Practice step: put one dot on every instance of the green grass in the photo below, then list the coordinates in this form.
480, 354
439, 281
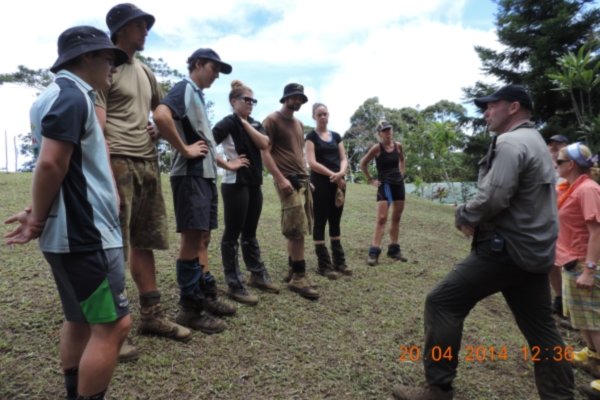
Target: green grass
343, 346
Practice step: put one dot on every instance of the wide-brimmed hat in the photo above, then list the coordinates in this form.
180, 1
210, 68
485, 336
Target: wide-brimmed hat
512, 93
210, 54
293, 89
82, 39
558, 138
121, 14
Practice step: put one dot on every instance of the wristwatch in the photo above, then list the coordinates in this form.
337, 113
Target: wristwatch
591, 265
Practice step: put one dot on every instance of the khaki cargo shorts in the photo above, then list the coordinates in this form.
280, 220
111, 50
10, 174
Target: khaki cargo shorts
143, 214
296, 212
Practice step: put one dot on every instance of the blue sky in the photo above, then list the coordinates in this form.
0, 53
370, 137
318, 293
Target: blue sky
406, 53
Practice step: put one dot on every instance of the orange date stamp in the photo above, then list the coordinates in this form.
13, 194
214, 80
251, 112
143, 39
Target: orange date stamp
482, 353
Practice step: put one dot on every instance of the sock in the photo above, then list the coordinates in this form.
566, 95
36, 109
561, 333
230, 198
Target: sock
98, 396
71, 382
150, 299
299, 267
446, 388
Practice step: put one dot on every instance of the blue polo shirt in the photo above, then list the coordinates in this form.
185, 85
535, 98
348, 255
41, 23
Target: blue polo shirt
84, 215
186, 101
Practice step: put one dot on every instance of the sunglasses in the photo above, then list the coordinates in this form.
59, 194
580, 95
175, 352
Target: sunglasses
559, 162
248, 100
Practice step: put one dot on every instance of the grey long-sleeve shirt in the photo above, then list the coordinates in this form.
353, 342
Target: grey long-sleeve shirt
517, 199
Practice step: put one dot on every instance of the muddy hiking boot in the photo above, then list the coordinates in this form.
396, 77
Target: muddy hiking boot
210, 302
300, 283
374, 253
262, 281
339, 259
324, 263
430, 392
193, 315
241, 294
592, 390
153, 320
588, 361
128, 352
395, 253
288, 277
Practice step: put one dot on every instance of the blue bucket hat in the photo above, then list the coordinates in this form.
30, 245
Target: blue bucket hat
574, 152
83, 39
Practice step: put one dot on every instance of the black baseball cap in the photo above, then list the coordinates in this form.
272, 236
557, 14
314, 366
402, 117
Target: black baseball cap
510, 93
82, 39
121, 14
210, 54
383, 126
293, 89
558, 138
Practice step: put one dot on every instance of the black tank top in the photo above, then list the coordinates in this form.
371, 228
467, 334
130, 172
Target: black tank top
388, 168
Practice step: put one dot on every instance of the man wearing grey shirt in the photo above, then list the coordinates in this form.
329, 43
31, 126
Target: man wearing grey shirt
514, 223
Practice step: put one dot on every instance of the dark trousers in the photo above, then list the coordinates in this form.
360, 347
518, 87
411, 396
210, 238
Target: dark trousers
478, 276
324, 208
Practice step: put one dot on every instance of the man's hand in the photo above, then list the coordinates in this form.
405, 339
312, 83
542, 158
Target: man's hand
27, 230
153, 131
195, 150
468, 231
285, 187
586, 279
240, 162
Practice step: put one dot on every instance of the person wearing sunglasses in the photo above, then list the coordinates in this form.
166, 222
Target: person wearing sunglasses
577, 252
242, 138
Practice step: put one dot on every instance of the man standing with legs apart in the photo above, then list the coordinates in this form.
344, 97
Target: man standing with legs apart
514, 224
182, 120
74, 196
284, 158
123, 112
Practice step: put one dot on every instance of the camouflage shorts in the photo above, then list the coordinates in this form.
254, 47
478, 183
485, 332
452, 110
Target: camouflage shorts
143, 214
296, 212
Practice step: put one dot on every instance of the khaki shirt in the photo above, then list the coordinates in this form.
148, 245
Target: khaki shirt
134, 93
517, 199
287, 139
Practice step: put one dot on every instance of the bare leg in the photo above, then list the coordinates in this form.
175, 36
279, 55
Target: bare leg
296, 249
397, 208
99, 359
382, 214
190, 244
555, 277
142, 269
74, 337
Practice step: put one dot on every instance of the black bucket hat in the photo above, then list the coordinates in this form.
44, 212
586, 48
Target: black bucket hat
121, 14
513, 93
293, 89
82, 39
382, 126
210, 54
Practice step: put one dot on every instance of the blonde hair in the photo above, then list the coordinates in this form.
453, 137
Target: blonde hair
592, 171
238, 89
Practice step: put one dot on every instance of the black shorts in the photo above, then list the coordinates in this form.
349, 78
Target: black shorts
91, 285
196, 201
387, 190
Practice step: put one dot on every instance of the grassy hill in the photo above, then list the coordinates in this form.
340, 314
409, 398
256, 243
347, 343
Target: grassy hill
343, 346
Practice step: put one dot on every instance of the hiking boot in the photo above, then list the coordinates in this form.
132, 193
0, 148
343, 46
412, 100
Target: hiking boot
324, 261
210, 302
395, 253
339, 258
566, 323
431, 392
374, 253
153, 321
128, 351
200, 320
241, 294
588, 361
300, 284
592, 391
288, 277
262, 281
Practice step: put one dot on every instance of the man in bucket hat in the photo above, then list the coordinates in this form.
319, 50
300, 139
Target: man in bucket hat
514, 224
75, 213
123, 112
284, 158
182, 120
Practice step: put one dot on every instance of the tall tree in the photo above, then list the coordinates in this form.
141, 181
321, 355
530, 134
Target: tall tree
535, 33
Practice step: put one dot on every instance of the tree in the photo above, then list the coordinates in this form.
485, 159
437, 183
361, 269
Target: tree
535, 33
